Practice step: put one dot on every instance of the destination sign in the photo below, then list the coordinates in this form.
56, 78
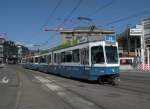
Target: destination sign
110, 38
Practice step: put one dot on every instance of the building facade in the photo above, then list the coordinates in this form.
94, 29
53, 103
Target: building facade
137, 37
8, 51
83, 34
22, 52
134, 43
129, 40
146, 27
2, 41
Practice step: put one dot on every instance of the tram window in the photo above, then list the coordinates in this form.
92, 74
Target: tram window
84, 56
97, 55
63, 57
40, 59
68, 56
43, 59
49, 59
58, 55
55, 58
36, 60
111, 54
76, 55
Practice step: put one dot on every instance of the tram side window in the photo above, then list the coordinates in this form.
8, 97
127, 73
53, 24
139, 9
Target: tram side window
57, 58
97, 55
49, 59
84, 56
63, 57
58, 55
43, 59
36, 60
76, 55
68, 56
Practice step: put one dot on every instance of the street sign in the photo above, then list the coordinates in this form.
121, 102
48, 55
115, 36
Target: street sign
135, 32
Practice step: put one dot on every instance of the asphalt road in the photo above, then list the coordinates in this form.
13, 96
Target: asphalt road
26, 89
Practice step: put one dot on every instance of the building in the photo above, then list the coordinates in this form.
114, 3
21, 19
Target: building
129, 40
146, 27
8, 51
2, 41
83, 34
22, 52
134, 43
137, 37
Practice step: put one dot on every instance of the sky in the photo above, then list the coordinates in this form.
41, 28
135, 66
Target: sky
24, 21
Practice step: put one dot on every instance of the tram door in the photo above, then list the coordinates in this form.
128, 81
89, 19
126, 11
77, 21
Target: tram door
84, 61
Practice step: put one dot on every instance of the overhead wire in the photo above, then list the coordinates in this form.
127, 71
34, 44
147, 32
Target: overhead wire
52, 13
49, 18
100, 8
67, 17
70, 13
128, 17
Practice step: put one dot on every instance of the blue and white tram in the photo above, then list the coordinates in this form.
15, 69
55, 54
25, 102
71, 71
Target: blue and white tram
92, 61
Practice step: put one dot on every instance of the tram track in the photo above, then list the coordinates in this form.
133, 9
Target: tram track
30, 76
126, 87
72, 98
78, 94
133, 89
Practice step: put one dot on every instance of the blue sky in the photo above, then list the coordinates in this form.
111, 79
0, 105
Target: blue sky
24, 20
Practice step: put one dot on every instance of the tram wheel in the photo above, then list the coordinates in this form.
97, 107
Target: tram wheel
111, 80
100, 81
113, 83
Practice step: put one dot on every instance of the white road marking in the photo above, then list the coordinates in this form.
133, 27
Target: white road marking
42, 80
53, 87
71, 98
4, 80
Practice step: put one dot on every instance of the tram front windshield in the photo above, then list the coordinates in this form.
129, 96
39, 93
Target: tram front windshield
111, 54
97, 54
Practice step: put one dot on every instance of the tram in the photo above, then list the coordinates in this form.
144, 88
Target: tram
97, 60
